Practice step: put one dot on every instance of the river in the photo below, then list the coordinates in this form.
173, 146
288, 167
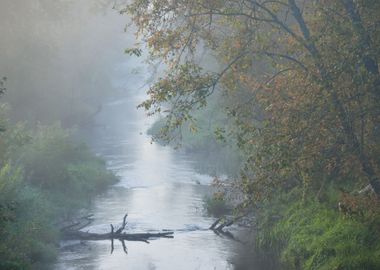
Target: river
159, 189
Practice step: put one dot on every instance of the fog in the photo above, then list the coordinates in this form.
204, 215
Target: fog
72, 128
175, 134
63, 58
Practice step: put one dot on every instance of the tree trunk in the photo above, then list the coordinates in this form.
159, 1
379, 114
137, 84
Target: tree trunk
347, 126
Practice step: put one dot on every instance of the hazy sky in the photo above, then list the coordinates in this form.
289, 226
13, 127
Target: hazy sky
64, 53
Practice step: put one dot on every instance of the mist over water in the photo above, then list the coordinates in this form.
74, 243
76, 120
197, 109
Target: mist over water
65, 63
159, 190
275, 107
62, 58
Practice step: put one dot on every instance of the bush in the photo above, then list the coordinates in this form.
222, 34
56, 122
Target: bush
54, 176
67, 171
25, 224
314, 236
216, 205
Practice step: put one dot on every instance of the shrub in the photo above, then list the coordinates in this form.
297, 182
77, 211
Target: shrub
25, 225
314, 236
54, 176
216, 205
67, 171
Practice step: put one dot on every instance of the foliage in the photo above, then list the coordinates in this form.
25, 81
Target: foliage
2, 85
53, 161
301, 82
313, 111
44, 175
216, 205
315, 236
26, 231
2, 91
206, 139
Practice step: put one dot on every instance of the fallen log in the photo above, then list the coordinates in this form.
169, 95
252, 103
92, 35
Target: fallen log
80, 235
220, 223
212, 227
218, 227
68, 233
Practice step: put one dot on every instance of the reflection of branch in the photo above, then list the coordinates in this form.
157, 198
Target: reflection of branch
226, 223
76, 234
124, 246
228, 235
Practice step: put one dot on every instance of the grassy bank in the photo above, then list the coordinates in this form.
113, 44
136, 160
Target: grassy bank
45, 175
298, 230
313, 235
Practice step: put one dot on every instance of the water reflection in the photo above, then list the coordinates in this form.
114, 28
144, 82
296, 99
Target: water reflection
159, 190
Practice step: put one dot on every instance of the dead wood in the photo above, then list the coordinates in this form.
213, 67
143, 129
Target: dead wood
221, 223
218, 226
71, 232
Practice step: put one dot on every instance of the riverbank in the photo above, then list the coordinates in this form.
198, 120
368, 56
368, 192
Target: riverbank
45, 177
316, 235
333, 230
159, 189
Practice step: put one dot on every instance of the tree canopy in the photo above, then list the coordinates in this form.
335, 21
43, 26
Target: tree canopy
302, 78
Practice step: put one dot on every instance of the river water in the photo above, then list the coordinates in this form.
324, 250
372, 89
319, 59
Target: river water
158, 189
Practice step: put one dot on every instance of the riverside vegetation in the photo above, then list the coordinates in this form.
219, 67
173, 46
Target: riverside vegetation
45, 177
54, 85
295, 86
299, 83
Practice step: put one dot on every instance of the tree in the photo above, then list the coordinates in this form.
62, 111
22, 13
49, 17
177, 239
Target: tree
302, 77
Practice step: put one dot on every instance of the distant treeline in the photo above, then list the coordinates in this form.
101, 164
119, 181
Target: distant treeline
206, 139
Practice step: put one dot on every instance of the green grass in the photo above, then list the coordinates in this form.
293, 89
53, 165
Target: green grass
313, 236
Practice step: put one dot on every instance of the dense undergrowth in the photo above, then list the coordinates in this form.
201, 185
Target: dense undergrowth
314, 235
45, 176
217, 205
293, 230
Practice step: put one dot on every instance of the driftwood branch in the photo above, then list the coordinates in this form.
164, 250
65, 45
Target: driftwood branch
218, 226
221, 223
124, 224
69, 233
212, 227
80, 235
